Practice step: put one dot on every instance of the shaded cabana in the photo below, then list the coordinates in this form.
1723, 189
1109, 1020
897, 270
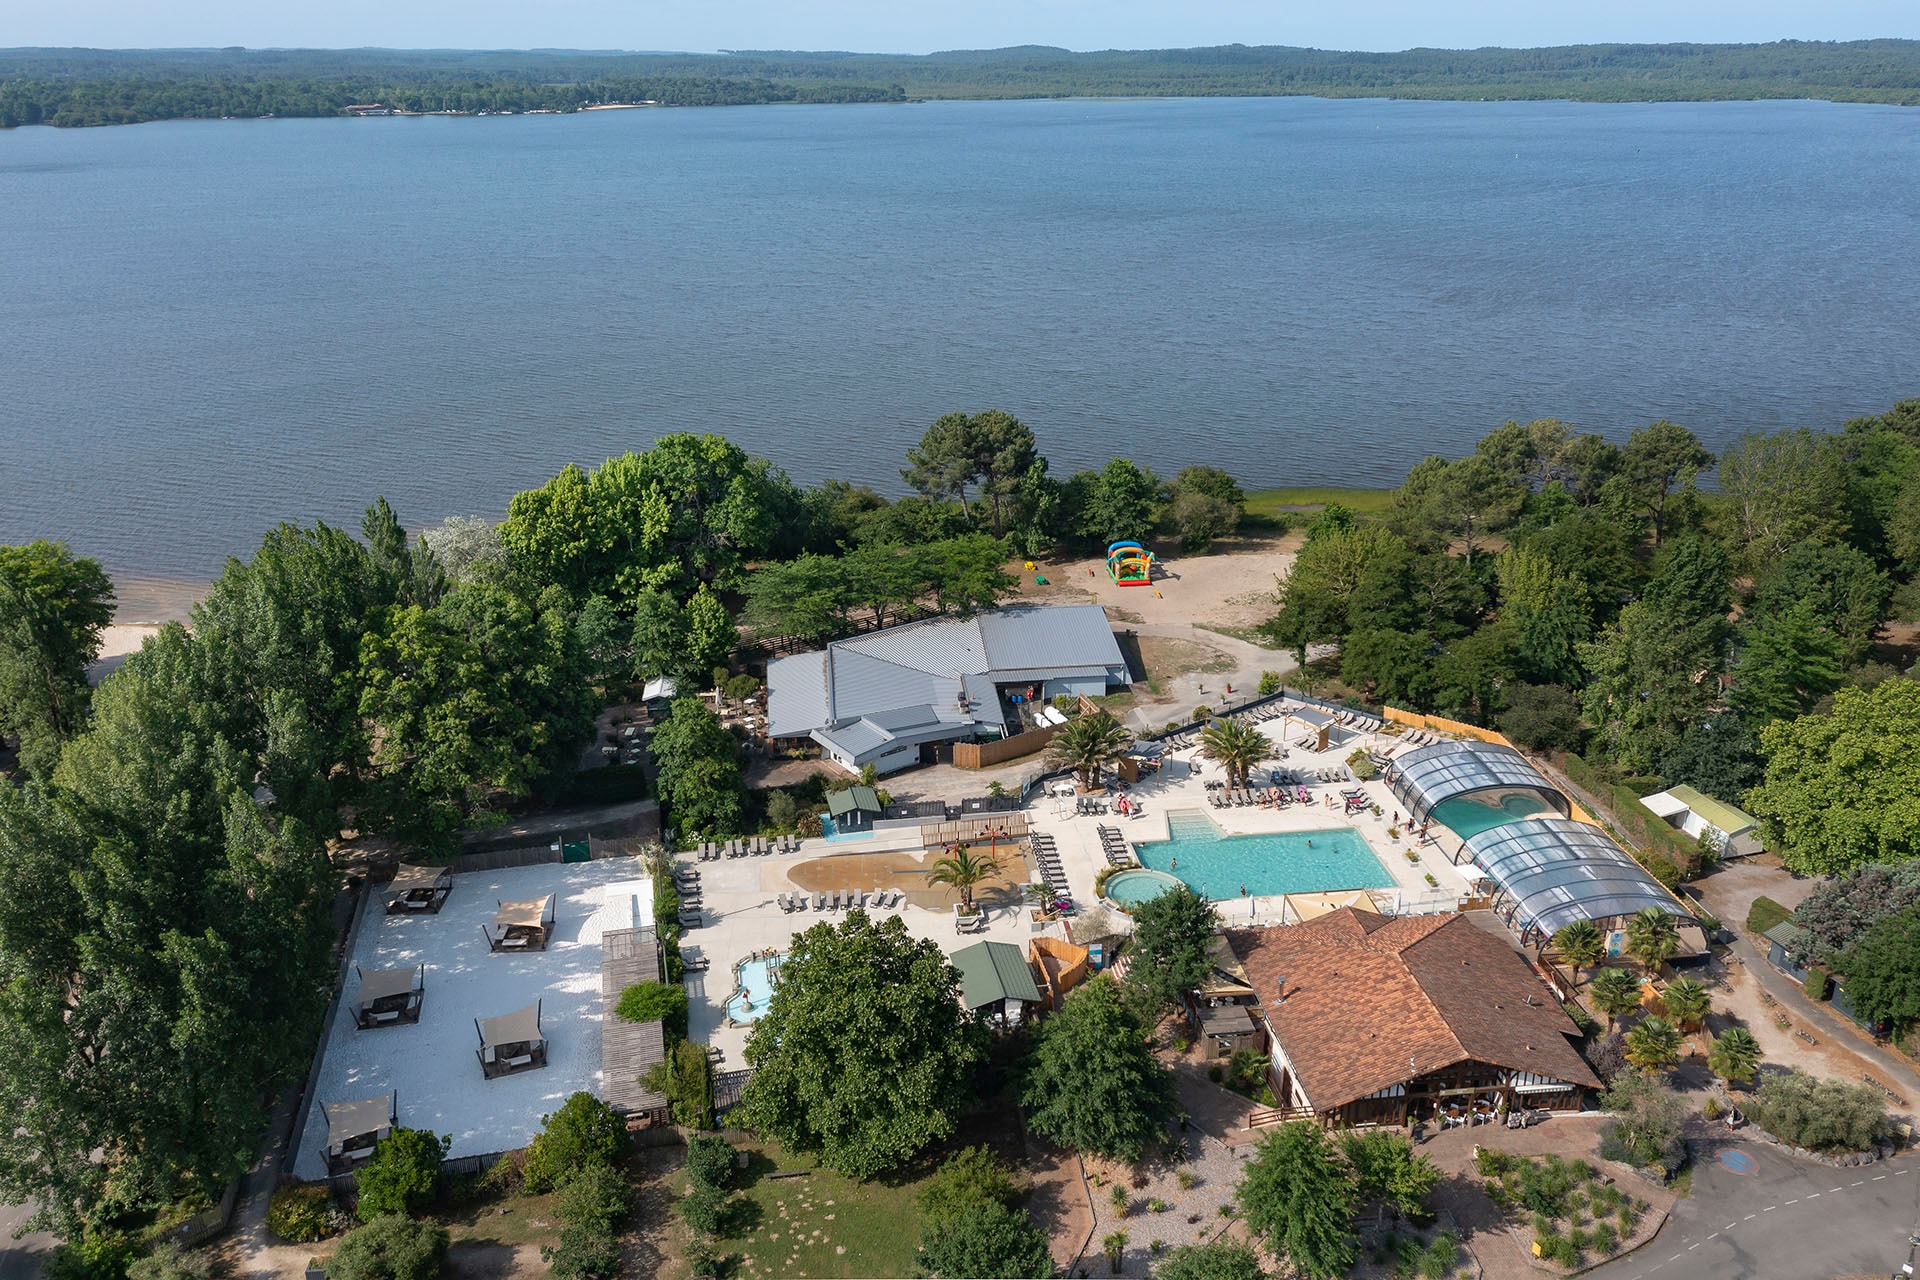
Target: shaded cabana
1553, 871
355, 1128
418, 889
1318, 724
511, 1042
389, 996
521, 926
1427, 778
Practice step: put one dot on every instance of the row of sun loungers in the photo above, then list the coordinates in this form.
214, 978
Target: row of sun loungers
1114, 845
1085, 806
751, 847
1235, 798
1046, 856
1359, 720
1420, 738
842, 900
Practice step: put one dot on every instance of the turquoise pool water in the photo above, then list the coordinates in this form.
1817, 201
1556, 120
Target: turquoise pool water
756, 981
828, 830
1466, 816
1217, 865
1131, 888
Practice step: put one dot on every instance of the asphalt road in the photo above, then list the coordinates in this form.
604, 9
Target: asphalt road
20, 1259
1784, 1220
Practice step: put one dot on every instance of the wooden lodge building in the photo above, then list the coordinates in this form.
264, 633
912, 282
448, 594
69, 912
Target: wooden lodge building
1380, 1020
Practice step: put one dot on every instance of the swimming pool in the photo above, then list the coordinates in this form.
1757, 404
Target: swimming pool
1220, 866
1466, 816
756, 979
1131, 888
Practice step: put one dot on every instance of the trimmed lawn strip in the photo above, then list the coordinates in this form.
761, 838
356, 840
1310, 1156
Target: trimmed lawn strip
1764, 914
1271, 502
833, 1226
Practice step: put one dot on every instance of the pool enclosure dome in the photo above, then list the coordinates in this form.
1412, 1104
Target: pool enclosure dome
1556, 871
1430, 776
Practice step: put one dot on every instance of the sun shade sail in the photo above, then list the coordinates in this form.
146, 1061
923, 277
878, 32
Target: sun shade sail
533, 912
520, 1027
408, 878
349, 1120
378, 984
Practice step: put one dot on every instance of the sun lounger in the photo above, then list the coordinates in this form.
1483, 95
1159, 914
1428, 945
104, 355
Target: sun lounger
819, 902
786, 903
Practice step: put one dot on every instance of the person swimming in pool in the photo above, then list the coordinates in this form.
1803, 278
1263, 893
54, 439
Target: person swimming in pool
1309, 844
1174, 865
1243, 891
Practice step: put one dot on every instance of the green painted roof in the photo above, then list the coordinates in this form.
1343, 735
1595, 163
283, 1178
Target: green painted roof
854, 797
1789, 935
992, 971
1729, 820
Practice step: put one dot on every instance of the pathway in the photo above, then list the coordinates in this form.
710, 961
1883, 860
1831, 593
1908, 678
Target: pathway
22, 1258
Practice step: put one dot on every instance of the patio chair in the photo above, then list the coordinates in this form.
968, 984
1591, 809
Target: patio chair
781, 900
819, 901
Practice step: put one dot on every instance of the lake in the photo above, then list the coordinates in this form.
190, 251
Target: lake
214, 326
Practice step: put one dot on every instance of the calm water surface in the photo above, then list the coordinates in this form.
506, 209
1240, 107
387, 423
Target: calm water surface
213, 326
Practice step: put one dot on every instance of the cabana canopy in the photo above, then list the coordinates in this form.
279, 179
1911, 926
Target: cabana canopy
533, 911
389, 995
519, 1027
1558, 871
1145, 750
355, 1128
1308, 716
1430, 776
416, 888
511, 1042
522, 924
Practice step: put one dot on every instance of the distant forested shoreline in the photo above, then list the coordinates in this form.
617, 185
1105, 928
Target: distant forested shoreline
78, 87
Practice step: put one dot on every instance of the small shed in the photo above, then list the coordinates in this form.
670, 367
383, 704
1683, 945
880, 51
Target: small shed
521, 926
995, 983
1787, 947
511, 1043
1696, 813
388, 997
355, 1128
855, 809
416, 888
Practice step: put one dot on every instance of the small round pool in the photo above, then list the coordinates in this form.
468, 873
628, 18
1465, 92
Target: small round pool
1131, 888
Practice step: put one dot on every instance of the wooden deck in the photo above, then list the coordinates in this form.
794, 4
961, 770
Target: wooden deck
627, 1049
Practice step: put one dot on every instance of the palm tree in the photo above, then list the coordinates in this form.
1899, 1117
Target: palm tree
963, 869
1615, 992
1115, 1244
1734, 1056
1654, 1044
1580, 944
1088, 744
1236, 746
1687, 1002
1652, 937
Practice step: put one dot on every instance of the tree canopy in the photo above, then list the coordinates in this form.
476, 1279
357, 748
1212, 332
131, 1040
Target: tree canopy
1299, 1195
1169, 954
864, 1054
1092, 1082
54, 606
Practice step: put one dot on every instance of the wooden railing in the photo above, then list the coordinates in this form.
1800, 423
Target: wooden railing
1267, 1117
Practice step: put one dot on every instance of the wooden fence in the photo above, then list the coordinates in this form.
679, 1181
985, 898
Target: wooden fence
980, 755
1006, 828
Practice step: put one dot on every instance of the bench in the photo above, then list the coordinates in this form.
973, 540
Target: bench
514, 1064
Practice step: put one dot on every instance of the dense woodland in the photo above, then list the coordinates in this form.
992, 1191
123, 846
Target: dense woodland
88, 86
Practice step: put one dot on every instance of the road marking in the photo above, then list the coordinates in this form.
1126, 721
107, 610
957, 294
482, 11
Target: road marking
1815, 1196
1714, 1236
1675, 1258
1831, 1190
1793, 1202
1694, 1245
1879, 1177
1748, 1218
1731, 1225
1903, 1173
1861, 1183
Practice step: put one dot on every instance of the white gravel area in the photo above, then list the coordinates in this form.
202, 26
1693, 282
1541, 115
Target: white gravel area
432, 1064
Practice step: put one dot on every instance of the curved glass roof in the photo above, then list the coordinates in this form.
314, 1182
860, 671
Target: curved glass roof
1558, 871
1435, 774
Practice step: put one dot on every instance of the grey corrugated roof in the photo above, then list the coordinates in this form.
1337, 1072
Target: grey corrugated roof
1559, 871
950, 645
1068, 635
797, 694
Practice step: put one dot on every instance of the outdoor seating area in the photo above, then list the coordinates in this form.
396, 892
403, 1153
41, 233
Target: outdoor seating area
1119, 853
1046, 856
511, 1043
389, 997
750, 847
416, 888
840, 900
355, 1128
521, 926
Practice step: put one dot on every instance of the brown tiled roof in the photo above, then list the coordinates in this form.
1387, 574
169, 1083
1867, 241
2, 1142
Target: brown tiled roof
1373, 1001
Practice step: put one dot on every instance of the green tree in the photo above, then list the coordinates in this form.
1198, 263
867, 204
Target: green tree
1842, 790
1882, 970
1734, 1056
1580, 944
1235, 745
1841, 909
990, 1240
468, 549
1392, 666
1039, 507
1169, 954
1342, 563
1299, 1196
1471, 673
1652, 937
1549, 613
54, 606
1216, 1260
1119, 503
1842, 587
1204, 504
605, 640
1658, 461
1719, 755
1788, 661
700, 780
402, 1175
591, 1207
1820, 1114
582, 1132
1088, 744
1092, 1082
864, 1054
1780, 489
1646, 1126
1387, 1171
685, 1080
1653, 1044
413, 575
963, 869
390, 1248
1443, 502
710, 634
1615, 993
992, 449
1542, 717
1687, 1001
1652, 676
966, 1180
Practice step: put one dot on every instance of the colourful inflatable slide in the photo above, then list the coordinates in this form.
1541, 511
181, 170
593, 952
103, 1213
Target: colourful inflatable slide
1129, 564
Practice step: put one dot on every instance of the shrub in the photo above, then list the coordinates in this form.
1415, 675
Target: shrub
1439, 1259
740, 688
656, 1002
990, 1240
297, 1213
701, 1208
1604, 1238
1156, 1205
97, 1255
390, 1248
1820, 1114
1214, 1073
591, 1208
402, 1174
1816, 984
1117, 1197
1269, 683
1185, 1178
1362, 765
782, 809
1492, 1163
710, 1161
171, 1262
970, 1178
583, 1131
685, 1080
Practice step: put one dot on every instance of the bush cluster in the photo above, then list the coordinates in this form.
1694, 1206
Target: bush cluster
390, 1248
656, 1002
579, 1153
297, 1213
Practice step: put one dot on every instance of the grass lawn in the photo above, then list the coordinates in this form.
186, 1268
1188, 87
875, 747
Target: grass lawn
1266, 503
1764, 914
820, 1224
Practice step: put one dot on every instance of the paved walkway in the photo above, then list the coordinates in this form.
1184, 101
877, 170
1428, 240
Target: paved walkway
21, 1259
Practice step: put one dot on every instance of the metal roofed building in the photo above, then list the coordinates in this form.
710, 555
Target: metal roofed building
1430, 776
1553, 871
995, 982
1695, 812
880, 698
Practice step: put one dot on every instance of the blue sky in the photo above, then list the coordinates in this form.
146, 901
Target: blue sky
904, 26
